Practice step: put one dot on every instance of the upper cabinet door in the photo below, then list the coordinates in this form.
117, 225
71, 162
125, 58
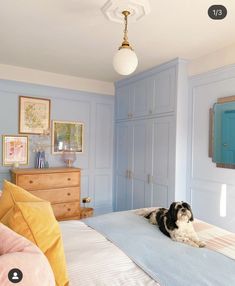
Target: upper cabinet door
149, 96
162, 91
131, 100
139, 99
123, 102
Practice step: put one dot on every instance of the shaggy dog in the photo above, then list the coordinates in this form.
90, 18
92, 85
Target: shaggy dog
175, 222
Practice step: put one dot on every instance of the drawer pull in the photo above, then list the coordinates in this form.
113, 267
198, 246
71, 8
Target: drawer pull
69, 179
68, 209
30, 181
68, 194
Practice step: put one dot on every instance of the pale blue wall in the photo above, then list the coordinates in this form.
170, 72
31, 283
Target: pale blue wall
95, 110
210, 189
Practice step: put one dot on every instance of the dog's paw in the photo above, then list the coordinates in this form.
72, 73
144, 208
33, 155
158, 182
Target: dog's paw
201, 244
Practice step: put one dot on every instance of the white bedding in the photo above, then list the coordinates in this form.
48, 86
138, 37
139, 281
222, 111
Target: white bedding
93, 260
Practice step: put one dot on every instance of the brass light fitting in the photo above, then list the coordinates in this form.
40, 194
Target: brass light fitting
125, 43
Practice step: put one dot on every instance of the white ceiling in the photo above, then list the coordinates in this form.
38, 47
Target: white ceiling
73, 37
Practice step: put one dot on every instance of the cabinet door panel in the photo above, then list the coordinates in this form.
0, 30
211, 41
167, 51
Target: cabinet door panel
122, 148
162, 160
122, 102
162, 89
139, 100
138, 194
139, 145
121, 196
162, 142
123, 189
160, 196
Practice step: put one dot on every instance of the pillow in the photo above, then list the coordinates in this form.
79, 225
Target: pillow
34, 219
18, 252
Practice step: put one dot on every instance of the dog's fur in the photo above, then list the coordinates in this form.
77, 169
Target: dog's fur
175, 222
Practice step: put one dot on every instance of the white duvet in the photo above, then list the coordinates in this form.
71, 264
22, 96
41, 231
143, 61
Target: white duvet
93, 260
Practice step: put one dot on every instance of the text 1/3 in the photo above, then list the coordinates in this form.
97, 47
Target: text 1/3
217, 12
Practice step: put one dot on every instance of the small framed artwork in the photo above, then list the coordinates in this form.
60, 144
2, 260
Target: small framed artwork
34, 115
14, 150
67, 135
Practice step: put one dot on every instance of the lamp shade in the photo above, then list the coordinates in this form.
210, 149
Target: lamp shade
125, 61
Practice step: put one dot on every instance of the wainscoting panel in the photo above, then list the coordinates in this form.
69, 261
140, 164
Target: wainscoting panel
211, 190
104, 136
103, 193
94, 110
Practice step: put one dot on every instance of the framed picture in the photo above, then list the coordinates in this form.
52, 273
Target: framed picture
14, 150
67, 135
34, 115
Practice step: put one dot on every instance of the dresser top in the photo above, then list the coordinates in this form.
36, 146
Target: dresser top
44, 170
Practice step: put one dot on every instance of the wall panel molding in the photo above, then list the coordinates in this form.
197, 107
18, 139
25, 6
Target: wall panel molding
204, 179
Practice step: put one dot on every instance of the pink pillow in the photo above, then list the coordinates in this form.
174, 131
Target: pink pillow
17, 252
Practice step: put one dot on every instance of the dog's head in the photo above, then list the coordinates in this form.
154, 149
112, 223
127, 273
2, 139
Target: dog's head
180, 211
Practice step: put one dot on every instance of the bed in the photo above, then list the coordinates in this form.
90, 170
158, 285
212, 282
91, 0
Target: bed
122, 248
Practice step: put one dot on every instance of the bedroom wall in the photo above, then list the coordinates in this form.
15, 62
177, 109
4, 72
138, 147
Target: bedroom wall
95, 110
211, 190
217, 59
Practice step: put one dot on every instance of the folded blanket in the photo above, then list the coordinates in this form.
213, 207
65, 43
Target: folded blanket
216, 238
168, 262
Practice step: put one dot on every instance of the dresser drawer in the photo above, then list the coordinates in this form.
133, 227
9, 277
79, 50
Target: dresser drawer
65, 210
48, 181
58, 195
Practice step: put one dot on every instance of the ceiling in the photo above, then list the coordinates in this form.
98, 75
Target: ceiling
73, 37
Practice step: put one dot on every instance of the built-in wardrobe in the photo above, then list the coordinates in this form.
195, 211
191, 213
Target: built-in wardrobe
151, 110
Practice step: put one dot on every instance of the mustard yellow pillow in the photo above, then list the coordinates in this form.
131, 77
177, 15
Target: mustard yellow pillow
34, 219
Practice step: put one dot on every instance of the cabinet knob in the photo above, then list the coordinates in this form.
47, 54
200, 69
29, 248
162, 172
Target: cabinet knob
30, 181
68, 194
69, 179
68, 209
150, 111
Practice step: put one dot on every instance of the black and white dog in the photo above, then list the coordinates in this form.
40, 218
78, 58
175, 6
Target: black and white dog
175, 222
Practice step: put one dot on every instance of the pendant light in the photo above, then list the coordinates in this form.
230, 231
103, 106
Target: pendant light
125, 60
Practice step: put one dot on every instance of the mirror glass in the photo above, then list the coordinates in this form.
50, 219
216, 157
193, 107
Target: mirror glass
223, 133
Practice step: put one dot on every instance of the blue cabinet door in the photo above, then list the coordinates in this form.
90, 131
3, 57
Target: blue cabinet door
132, 100
131, 159
140, 146
122, 97
122, 166
161, 167
139, 99
162, 91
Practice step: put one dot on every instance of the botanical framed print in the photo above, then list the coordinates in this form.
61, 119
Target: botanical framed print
34, 115
14, 150
67, 135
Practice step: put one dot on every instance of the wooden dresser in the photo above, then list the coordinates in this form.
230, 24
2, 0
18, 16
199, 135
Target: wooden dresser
60, 186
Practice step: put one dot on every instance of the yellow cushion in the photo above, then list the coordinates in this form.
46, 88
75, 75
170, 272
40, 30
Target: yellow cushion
34, 219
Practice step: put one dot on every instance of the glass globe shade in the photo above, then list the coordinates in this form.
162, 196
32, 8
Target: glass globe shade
125, 61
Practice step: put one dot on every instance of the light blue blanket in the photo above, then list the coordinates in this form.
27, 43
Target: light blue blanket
168, 262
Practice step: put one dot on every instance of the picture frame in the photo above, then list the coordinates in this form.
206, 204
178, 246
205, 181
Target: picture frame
67, 135
15, 150
34, 115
